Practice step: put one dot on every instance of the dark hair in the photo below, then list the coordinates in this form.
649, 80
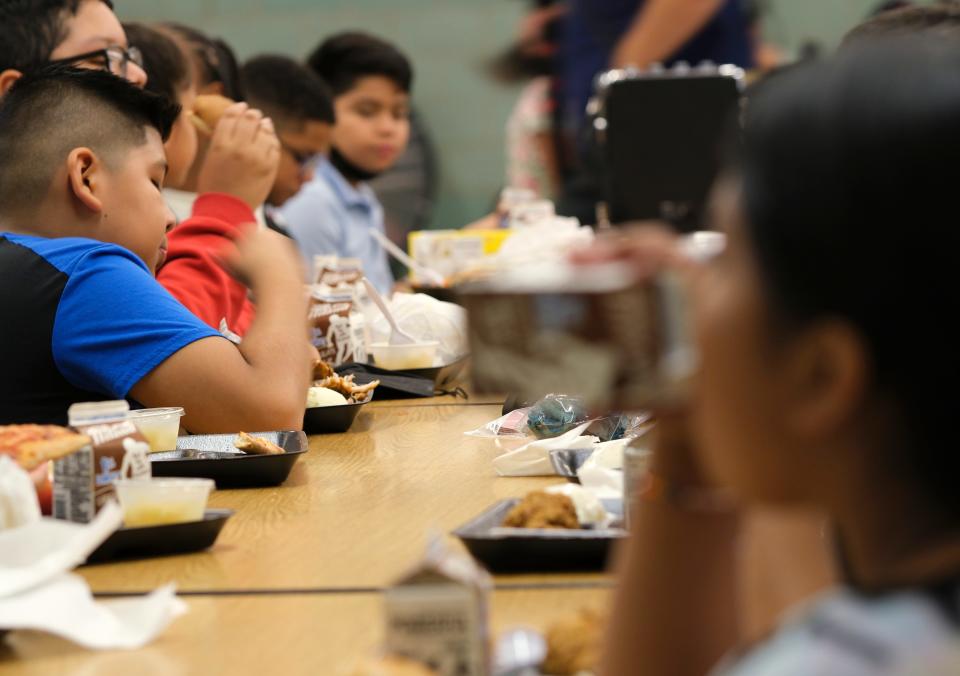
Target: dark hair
168, 70
849, 191
286, 90
54, 109
938, 19
344, 58
889, 6
214, 59
516, 63
31, 29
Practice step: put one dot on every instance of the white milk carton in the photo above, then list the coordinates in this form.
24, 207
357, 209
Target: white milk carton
437, 614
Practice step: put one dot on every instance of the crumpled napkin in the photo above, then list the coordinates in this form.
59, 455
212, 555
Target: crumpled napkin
602, 473
533, 459
37, 591
18, 499
64, 606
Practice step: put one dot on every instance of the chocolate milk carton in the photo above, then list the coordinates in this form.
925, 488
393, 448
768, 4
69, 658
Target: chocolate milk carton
437, 614
83, 481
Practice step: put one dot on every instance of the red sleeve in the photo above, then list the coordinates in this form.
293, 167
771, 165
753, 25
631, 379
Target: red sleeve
191, 272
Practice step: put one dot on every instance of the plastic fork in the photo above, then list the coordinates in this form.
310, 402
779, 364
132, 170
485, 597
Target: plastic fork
397, 336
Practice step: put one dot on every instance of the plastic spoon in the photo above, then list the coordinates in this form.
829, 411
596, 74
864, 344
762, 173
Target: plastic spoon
432, 276
397, 337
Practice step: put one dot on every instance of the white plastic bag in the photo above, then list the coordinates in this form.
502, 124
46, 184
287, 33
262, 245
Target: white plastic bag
426, 319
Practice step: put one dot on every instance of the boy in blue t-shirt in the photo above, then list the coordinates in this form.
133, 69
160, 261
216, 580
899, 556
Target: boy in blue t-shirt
83, 227
337, 210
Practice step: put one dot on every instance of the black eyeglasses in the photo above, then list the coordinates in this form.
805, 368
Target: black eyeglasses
114, 59
304, 159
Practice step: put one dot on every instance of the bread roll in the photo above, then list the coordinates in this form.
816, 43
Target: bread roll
207, 111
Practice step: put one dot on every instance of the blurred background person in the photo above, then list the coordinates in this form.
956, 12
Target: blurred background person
602, 34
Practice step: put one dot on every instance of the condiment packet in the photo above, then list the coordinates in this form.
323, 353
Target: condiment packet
65, 607
533, 459
18, 499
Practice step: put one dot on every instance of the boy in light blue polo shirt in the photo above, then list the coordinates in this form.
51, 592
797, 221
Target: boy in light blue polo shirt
336, 211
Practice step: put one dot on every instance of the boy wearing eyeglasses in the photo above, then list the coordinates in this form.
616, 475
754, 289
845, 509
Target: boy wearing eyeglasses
301, 107
82, 33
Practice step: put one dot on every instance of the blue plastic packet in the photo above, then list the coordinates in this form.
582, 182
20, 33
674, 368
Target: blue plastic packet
556, 414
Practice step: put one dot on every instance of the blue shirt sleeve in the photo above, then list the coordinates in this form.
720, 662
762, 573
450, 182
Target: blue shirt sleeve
115, 323
314, 222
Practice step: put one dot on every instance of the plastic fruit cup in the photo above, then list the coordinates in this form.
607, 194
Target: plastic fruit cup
404, 357
159, 425
152, 502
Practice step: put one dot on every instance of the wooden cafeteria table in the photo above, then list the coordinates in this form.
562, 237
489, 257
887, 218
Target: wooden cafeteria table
318, 634
355, 512
292, 584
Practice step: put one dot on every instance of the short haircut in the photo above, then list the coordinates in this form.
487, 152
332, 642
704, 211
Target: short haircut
941, 19
343, 59
286, 91
169, 70
54, 109
214, 59
31, 29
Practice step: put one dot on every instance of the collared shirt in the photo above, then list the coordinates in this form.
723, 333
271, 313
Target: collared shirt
331, 217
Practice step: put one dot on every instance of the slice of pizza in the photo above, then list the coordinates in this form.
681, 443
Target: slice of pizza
32, 445
256, 445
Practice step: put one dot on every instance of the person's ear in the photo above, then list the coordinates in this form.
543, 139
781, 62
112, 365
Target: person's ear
827, 371
7, 78
84, 174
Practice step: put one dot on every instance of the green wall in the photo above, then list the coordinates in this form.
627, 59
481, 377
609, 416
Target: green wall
448, 40
790, 23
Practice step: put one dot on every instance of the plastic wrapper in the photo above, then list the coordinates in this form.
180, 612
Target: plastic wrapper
425, 319
513, 425
556, 414
619, 426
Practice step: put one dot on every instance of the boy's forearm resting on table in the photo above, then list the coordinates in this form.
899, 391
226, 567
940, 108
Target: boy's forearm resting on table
660, 29
260, 385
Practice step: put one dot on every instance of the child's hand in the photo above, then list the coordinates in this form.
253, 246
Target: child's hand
243, 157
263, 258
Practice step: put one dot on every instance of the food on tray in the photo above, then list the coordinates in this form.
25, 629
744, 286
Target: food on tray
324, 396
590, 511
322, 369
256, 445
32, 445
344, 385
540, 509
574, 644
207, 111
391, 666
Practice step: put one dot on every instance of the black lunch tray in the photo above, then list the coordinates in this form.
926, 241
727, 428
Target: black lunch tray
213, 456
